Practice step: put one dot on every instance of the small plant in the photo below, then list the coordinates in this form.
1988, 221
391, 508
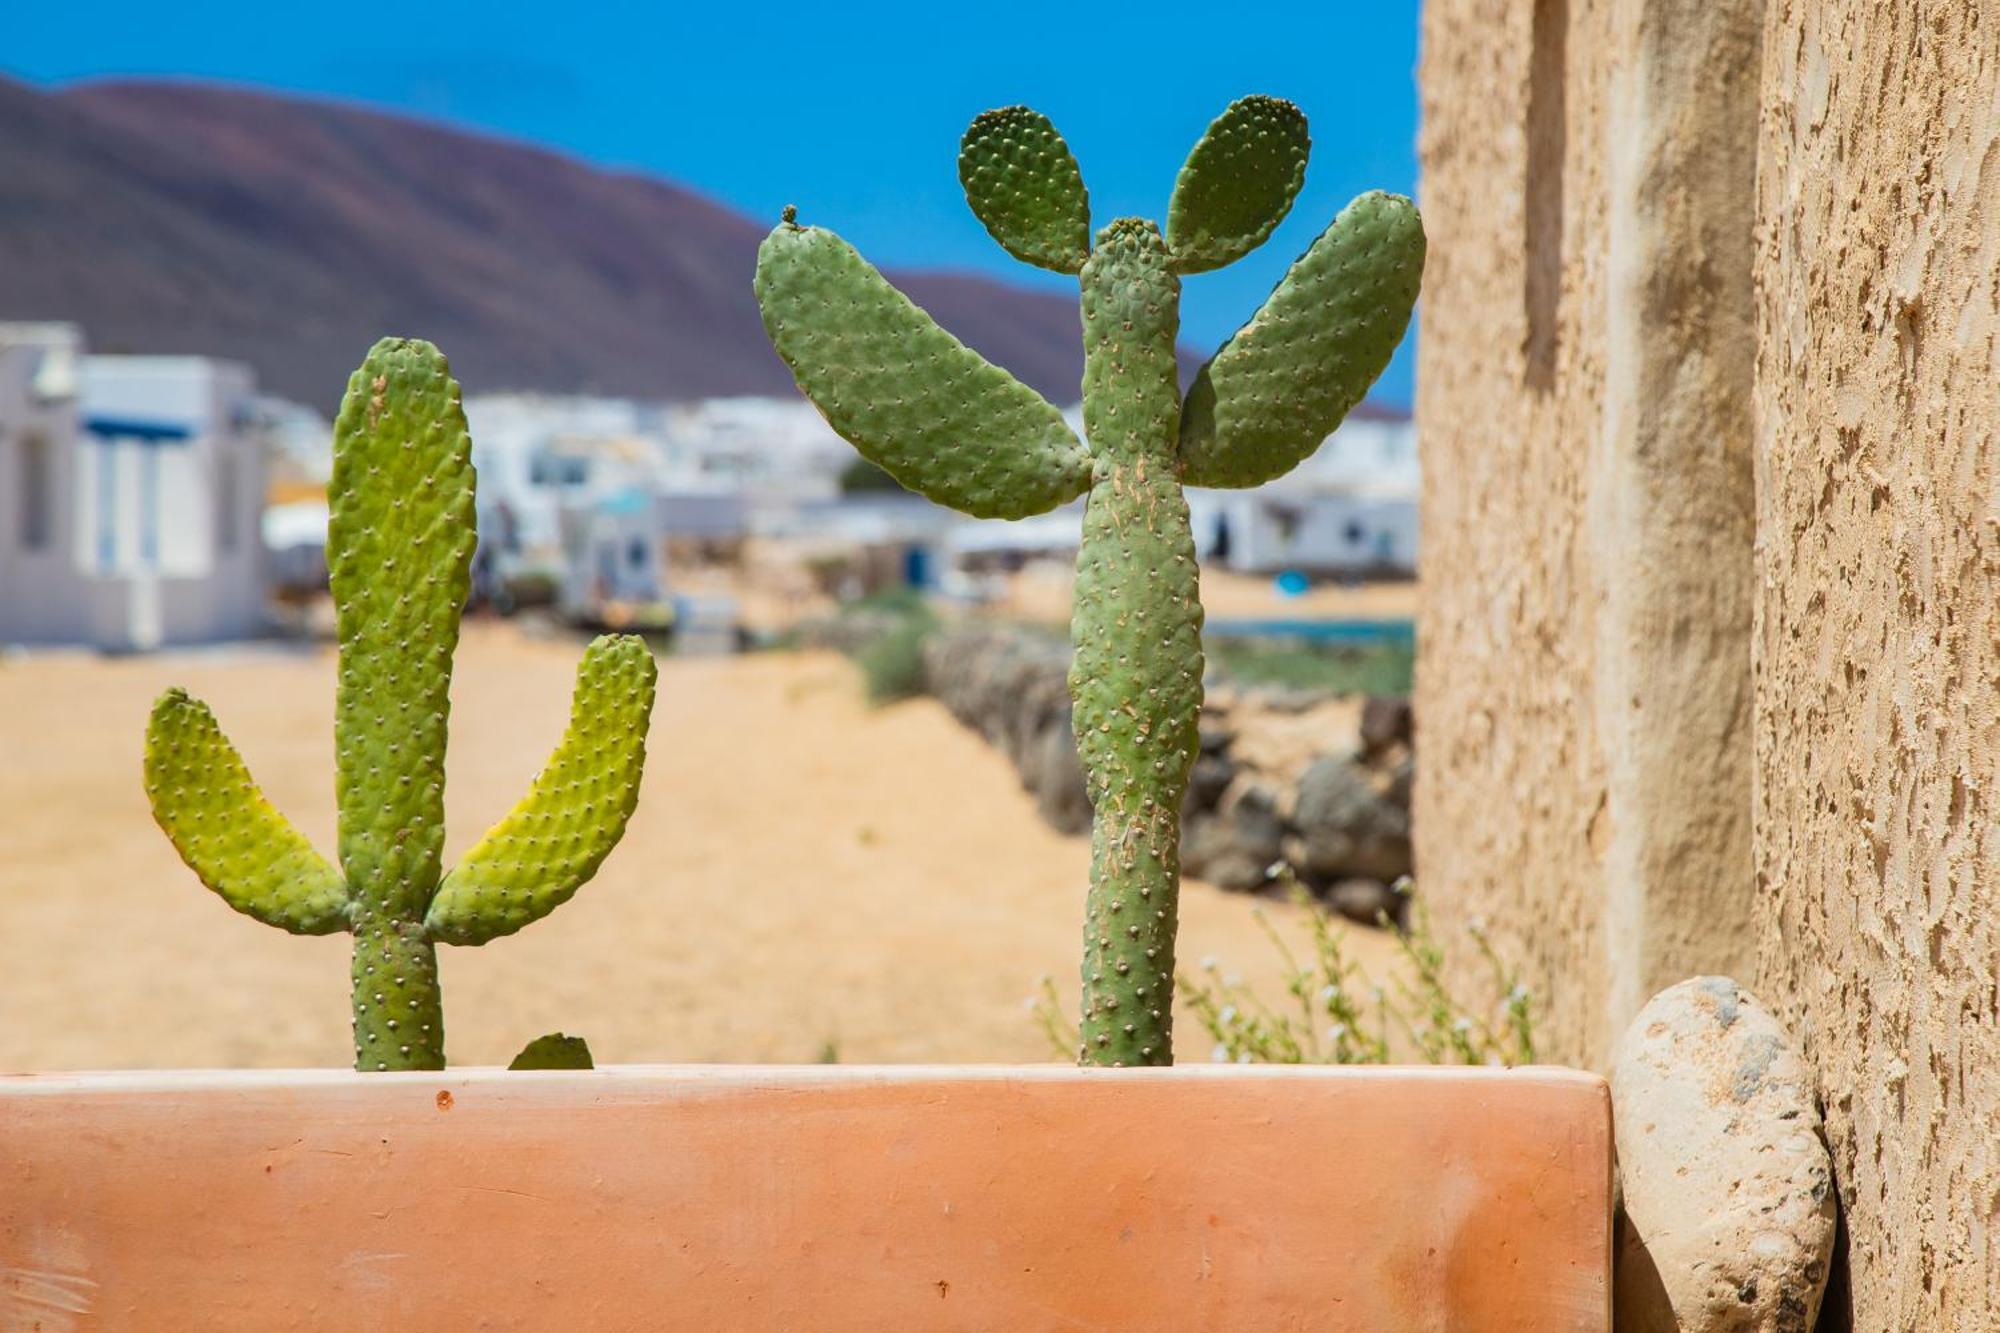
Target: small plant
893, 664
1336, 1014
946, 423
399, 551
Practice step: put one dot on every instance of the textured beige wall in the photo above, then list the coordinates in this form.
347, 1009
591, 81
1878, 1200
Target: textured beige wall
1509, 806
1672, 503
1878, 625
1633, 658
1584, 388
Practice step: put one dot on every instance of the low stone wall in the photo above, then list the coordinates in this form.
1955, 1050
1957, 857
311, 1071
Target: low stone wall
1316, 781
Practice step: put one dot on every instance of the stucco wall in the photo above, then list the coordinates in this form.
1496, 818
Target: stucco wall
1710, 668
1878, 624
1508, 796
1583, 411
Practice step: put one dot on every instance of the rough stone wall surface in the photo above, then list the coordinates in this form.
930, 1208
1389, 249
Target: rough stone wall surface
1878, 625
1510, 797
1583, 405
1672, 505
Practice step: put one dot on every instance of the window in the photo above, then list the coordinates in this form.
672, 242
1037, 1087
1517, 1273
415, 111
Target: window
554, 469
37, 483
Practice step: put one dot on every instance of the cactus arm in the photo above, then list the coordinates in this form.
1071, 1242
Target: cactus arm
554, 1051
1283, 381
915, 401
399, 550
1135, 677
1023, 184
235, 840
1237, 184
549, 845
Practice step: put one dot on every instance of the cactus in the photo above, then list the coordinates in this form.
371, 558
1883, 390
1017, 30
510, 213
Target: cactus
400, 551
554, 1051
946, 423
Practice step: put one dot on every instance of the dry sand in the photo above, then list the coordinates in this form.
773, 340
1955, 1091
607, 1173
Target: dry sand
802, 870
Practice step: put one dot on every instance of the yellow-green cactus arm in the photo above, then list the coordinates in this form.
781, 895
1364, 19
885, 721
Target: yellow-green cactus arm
549, 845
235, 840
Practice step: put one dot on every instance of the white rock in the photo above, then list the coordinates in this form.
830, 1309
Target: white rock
1728, 1189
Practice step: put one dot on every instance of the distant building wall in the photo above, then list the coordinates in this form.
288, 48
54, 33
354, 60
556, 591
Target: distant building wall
1878, 624
39, 594
1280, 527
170, 488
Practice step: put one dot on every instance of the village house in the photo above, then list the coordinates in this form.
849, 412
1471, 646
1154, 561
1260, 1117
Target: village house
133, 489
1349, 510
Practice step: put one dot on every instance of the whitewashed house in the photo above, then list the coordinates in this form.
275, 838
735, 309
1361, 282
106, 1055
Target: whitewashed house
778, 453
132, 492
1349, 509
588, 493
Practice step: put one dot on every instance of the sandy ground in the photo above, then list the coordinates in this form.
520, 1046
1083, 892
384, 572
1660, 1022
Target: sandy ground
801, 871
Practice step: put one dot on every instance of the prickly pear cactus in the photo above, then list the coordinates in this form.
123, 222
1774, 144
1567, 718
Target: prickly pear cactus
399, 550
944, 422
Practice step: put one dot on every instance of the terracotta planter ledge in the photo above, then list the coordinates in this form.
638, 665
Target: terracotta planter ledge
809, 1198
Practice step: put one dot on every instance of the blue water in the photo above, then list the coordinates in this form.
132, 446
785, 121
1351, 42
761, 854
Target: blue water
1349, 632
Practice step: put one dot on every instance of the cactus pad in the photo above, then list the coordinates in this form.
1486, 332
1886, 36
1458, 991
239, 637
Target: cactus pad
1023, 184
555, 1051
1282, 383
399, 557
916, 402
549, 845
1238, 183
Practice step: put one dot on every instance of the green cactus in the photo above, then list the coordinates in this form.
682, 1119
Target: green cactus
946, 423
554, 1051
400, 552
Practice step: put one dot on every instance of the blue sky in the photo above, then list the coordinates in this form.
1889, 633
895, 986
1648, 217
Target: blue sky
851, 111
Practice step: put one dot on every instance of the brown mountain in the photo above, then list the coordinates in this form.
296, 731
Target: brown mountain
290, 233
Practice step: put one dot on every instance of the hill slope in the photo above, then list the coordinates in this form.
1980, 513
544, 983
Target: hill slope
288, 233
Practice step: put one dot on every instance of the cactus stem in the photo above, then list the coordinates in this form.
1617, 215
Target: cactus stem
398, 1005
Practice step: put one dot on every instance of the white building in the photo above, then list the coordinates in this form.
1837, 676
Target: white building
1351, 508
1289, 525
585, 493
777, 452
613, 561
132, 491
